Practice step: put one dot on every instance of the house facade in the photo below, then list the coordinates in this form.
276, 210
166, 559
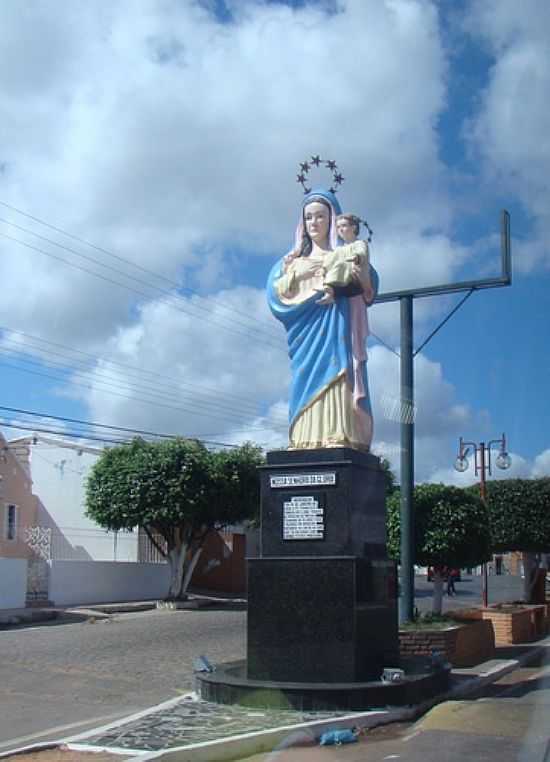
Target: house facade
18, 505
58, 470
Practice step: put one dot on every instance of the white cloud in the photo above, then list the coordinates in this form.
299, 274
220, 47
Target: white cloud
541, 465
170, 138
197, 379
511, 131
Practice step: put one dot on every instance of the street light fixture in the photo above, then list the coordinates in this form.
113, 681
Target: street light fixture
503, 460
482, 466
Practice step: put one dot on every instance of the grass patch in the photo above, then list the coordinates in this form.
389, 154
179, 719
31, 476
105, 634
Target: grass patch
430, 622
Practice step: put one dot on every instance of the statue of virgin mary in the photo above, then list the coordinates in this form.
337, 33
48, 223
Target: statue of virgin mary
329, 395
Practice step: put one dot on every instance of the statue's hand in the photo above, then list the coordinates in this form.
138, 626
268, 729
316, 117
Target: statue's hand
310, 270
362, 276
328, 296
289, 258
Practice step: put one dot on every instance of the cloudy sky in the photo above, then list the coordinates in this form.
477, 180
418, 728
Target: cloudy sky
148, 158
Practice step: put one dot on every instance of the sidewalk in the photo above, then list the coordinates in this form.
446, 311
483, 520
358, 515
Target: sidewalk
187, 728
198, 598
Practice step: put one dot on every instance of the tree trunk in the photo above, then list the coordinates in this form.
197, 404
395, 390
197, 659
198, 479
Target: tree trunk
189, 572
176, 560
438, 591
530, 568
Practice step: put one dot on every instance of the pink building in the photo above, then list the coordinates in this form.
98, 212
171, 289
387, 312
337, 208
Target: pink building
18, 505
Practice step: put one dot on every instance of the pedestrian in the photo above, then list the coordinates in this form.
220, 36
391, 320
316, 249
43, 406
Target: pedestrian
450, 582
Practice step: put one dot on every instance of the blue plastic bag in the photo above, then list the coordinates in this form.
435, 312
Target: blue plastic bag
337, 737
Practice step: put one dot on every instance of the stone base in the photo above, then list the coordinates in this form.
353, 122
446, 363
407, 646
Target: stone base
228, 684
321, 619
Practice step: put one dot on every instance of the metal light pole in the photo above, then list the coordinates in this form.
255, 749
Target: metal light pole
406, 600
406, 298
482, 465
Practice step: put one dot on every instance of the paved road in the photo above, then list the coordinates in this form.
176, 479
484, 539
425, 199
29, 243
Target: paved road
468, 592
65, 678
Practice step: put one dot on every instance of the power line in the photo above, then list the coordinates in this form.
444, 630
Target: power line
117, 257
109, 426
84, 436
164, 291
165, 391
134, 399
71, 435
204, 408
140, 371
164, 300
227, 409
86, 423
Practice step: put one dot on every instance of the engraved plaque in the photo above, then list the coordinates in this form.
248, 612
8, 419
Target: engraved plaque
302, 480
303, 518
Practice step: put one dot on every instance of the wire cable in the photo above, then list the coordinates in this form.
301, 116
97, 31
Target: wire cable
164, 300
142, 371
449, 316
137, 399
206, 408
93, 424
105, 379
117, 257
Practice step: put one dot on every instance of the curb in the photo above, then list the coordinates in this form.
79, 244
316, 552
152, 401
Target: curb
29, 616
264, 741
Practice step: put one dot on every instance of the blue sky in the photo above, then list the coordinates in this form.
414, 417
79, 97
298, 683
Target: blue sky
168, 135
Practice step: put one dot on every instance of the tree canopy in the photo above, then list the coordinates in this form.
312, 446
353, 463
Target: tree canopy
176, 489
451, 527
519, 514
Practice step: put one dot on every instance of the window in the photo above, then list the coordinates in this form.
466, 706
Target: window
11, 522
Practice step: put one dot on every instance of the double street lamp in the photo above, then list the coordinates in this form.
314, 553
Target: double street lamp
482, 467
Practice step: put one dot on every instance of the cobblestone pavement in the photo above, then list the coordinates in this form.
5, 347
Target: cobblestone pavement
70, 677
193, 721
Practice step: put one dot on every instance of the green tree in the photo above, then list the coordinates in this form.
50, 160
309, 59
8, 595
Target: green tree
519, 518
451, 529
389, 476
176, 490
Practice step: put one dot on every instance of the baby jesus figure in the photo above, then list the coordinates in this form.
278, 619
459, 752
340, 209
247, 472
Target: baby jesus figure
346, 268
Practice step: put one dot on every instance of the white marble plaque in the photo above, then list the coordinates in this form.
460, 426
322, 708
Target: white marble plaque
302, 480
303, 519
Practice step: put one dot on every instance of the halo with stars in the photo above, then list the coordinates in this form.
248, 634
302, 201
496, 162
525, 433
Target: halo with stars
316, 161
337, 180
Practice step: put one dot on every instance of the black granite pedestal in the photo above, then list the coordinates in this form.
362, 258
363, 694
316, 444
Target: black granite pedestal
322, 608
322, 594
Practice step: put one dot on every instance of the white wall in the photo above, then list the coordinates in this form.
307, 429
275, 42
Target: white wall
80, 582
13, 583
59, 480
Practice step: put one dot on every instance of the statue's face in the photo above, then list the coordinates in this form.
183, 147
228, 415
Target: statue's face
317, 219
346, 230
